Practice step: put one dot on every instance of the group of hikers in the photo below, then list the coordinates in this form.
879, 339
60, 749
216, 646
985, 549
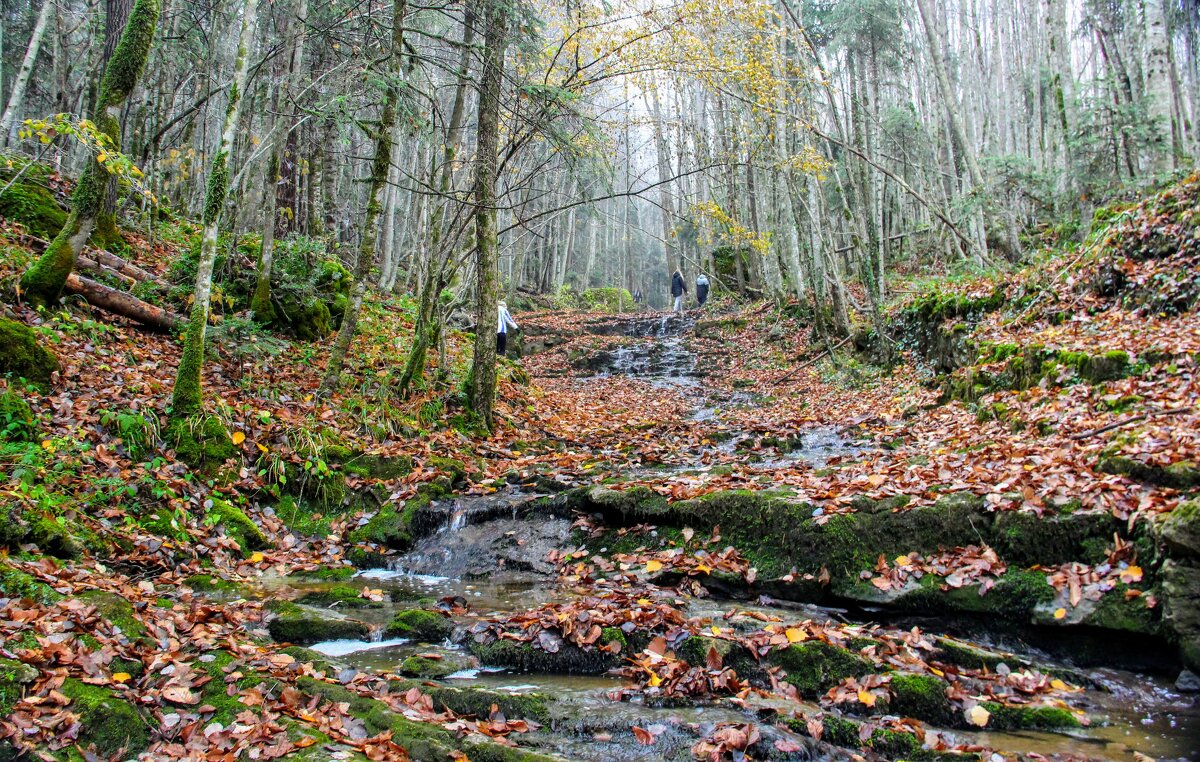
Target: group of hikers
678, 289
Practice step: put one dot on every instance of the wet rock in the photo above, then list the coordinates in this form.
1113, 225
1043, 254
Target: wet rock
815, 667
427, 667
338, 596
1181, 529
1181, 593
528, 657
419, 624
1188, 682
304, 625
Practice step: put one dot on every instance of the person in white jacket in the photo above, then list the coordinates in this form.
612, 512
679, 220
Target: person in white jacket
503, 324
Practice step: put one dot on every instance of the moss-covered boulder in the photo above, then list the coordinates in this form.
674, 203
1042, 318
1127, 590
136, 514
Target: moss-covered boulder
1183, 475
1180, 530
34, 207
528, 657
304, 625
922, 697
304, 316
14, 677
814, 667
479, 701
21, 356
1026, 717
392, 526
1181, 593
111, 724
237, 525
427, 667
338, 596
420, 624
119, 613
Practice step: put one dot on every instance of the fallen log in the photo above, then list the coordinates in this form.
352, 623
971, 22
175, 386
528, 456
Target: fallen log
103, 258
121, 303
85, 263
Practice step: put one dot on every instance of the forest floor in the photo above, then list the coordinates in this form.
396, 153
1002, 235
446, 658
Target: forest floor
697, 536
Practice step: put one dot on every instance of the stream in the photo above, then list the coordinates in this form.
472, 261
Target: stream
491, 553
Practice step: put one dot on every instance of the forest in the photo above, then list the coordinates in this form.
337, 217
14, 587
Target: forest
518, 381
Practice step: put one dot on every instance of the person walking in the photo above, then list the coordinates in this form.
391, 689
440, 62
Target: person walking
637, 296
702, 289
678, 289
504, 323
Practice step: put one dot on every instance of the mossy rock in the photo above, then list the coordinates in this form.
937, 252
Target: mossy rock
922, 697
1181, 614
340, 596
22, 357
118, 611
694, 650
14, 676
419, 624
114, 726
18, 584
303, 625
1183, 475
202, 442
304, 316
526, 657
479, 701
238, 525
34, 207
209, 583
392, 525
1024, 717
1180, 530
815, 667
423, 741
54, 536
1025, 538
17, 422
426, 668
226, 670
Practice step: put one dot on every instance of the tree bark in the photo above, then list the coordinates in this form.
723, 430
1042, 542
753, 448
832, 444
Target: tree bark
122, 303
380, 166
482, 382
8, 121
43, 282
188, 396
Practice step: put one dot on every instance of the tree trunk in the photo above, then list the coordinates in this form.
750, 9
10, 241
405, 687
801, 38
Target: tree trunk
481, 389
43, 282
260, 304
188, 396
8, 121
121, 303
380, 166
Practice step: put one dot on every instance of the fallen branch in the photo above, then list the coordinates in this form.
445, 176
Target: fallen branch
107, 259
1127, 421
809, 362
85, 263
121, 303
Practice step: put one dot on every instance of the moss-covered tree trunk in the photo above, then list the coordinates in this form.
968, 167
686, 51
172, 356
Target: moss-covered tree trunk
481, 388
433, 277
260, 303
377, 185
43, 282
188, 398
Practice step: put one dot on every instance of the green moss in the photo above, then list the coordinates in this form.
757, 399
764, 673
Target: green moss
525, 657
112, 724
14, 676
391, 526
1117, 612
21, 356
1181, 529
306, 317
201, 441
427, 669
303, 626
118, 612
418, 624
15, 583
209, 583
238, 525
922, 697
1023, 717
221, 667
17, 422
814, 667
1181, 475
342, 596
34, 207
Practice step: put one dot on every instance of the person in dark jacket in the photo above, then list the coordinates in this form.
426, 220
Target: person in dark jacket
637, 296
678, 289
702, 289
